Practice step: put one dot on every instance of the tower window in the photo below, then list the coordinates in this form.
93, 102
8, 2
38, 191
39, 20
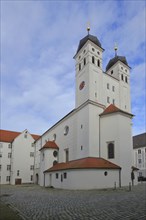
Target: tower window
113, 88
98, 52
93, 49
122, 77
126, 79
84, 61
98, 63
107, 85
113, 101
18, 172
112, 72
110, 150
79, 66
139, 151
93, 60
66, 155
66, 130
54, 137
84, 51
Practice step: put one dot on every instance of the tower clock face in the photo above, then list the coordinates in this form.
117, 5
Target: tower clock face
82, 84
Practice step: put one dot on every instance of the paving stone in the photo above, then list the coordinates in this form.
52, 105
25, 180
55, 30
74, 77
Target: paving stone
38, 203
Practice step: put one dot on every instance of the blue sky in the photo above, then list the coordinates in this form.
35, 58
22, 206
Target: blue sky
38, 42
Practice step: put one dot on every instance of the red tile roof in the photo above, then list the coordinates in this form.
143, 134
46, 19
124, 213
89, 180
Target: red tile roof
9, 136
50, 144
113, 109
84, 163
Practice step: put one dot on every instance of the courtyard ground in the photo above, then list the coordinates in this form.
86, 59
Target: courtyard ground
33, 202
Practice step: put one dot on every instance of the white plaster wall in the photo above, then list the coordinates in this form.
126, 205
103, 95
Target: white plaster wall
21, 159
117, 128
84, 179
4, 161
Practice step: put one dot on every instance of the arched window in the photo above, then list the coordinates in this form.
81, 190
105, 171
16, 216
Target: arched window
79, 66
110, 150
93, 59
98, 63
84, 61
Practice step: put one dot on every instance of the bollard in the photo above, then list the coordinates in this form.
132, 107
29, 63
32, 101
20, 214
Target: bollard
115, 185
129, 186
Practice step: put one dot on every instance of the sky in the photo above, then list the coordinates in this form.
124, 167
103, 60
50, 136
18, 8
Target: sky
38, 41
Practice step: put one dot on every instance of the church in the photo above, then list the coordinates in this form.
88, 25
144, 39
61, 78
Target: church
91, 147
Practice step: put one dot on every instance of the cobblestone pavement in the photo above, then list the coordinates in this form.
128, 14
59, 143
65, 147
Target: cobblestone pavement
38, 203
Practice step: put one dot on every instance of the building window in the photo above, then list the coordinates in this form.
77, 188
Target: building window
113, 101
139, 151
55, 162
0, 166
110, 150
84, 51
105, 173
65, 175
126, 70
57, 176
31, 178
126, 79
0, 154
43, 156
113, 88
66, 130
55, 153
98, 63
25, 135
81, 126
1, 145
139, 160
84, 61
8, 167
54, 137
121, 68
66, 155
18, 172
93, 60
79, 57
9, 155
112, 72
79, 66
81, 147
95, 94
108, 99
98, 52
31, 154
93, 49
9, 146
32, 167
122, 77
8, 178
107, 85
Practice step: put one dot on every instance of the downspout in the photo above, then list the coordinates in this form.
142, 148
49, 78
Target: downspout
99, 137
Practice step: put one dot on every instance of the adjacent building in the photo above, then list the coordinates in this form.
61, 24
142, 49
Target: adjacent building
16, 157
139, 147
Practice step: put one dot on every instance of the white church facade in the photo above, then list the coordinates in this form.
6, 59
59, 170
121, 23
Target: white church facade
91, 147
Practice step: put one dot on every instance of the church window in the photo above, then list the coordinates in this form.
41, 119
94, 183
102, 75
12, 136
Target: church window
43, 156
126, 70
81, 147
79, 57
79, 66
113, 101
105, 173
8, 167
66, 155
31, 178
0, 155
31, 154
55, 162
95, 94
107, 85
139, 160
65, 175
139, 151
126, 79
81, 126
25, 135
1, 145
93, 59
57, 175
0, 166
84, 61
110, 150
113, 88
108, 99
121, 68
122, 77
54, 137
98, 63
9, 155
66, 130
31, 167
98, 52
112, 72
84, 51
55, 153
8, 178
93, 49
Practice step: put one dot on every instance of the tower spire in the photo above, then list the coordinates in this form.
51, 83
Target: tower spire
88, 27
116, 48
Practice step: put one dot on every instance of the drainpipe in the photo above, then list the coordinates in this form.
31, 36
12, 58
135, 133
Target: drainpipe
99, 138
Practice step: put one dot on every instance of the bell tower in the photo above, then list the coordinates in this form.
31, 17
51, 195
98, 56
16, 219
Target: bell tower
88, 69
